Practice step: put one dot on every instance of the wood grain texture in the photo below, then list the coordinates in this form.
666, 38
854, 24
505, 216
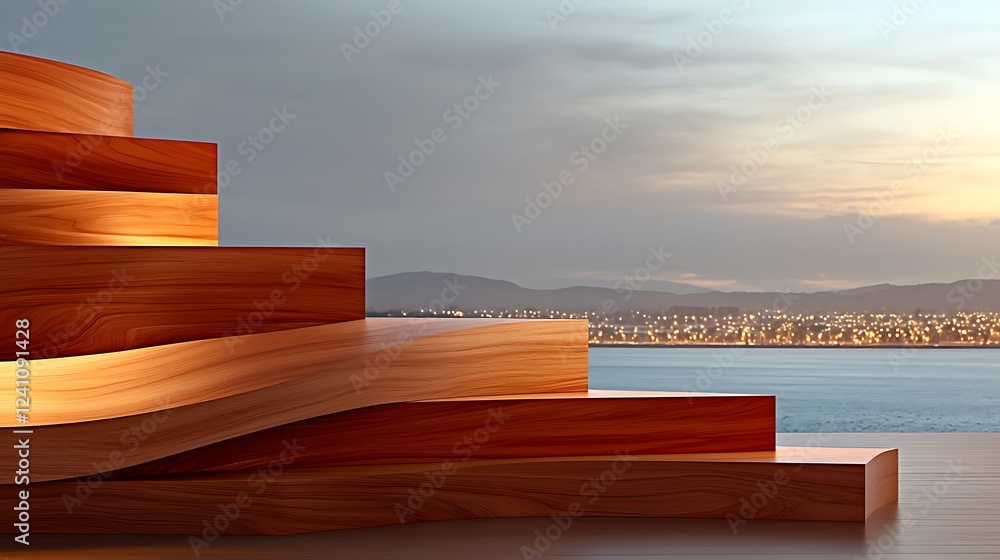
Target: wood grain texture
50, 160
827, 486
881, 481
960, 524
405, 359
40, 94
88, 218
96, 300
194, 394
522, 426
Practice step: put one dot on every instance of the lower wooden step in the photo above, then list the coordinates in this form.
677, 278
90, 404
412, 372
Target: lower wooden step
501, 427
790, 483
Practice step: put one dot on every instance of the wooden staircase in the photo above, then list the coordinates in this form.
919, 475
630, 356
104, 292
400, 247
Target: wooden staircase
178, 387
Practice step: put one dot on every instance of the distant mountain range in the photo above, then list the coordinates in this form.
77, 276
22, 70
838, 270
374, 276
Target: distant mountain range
416, 290
649, 286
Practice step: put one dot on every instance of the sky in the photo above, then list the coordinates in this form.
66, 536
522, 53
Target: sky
762, 145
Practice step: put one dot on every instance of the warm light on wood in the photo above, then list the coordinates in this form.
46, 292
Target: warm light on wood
225, 388
87, 218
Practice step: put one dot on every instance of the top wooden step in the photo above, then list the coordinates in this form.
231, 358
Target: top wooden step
50, 96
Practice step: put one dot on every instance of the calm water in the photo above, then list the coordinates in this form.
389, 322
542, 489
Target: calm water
826, 390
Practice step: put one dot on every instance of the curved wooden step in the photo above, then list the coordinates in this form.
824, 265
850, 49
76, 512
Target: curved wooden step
51, 160
405, 359
789, 483
40, 94
214, 391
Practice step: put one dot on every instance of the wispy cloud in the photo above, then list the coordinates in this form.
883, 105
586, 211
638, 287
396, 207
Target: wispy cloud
658, 184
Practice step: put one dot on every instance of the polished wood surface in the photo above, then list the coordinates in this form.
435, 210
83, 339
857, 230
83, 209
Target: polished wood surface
881, 481
49, 160
510, 427
948, 491
194, 394
87, 218
406, 359
96, 300
40, 94
291, 500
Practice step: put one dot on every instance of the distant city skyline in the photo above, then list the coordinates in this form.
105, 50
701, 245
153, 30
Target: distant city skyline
763, 146
730, 327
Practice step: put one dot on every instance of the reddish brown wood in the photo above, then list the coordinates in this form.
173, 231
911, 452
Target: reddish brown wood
92, 300
50, 160
790, 483
40, 94
525, 426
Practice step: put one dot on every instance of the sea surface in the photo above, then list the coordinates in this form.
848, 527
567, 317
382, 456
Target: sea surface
826, 389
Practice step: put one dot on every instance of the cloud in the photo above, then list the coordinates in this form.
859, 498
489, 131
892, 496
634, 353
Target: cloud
658, 184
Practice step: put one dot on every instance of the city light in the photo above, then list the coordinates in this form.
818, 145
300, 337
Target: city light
771, 328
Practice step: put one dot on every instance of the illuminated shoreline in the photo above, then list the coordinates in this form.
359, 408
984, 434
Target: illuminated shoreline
770, 329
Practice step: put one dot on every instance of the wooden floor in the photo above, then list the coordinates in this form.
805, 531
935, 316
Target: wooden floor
949, 509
